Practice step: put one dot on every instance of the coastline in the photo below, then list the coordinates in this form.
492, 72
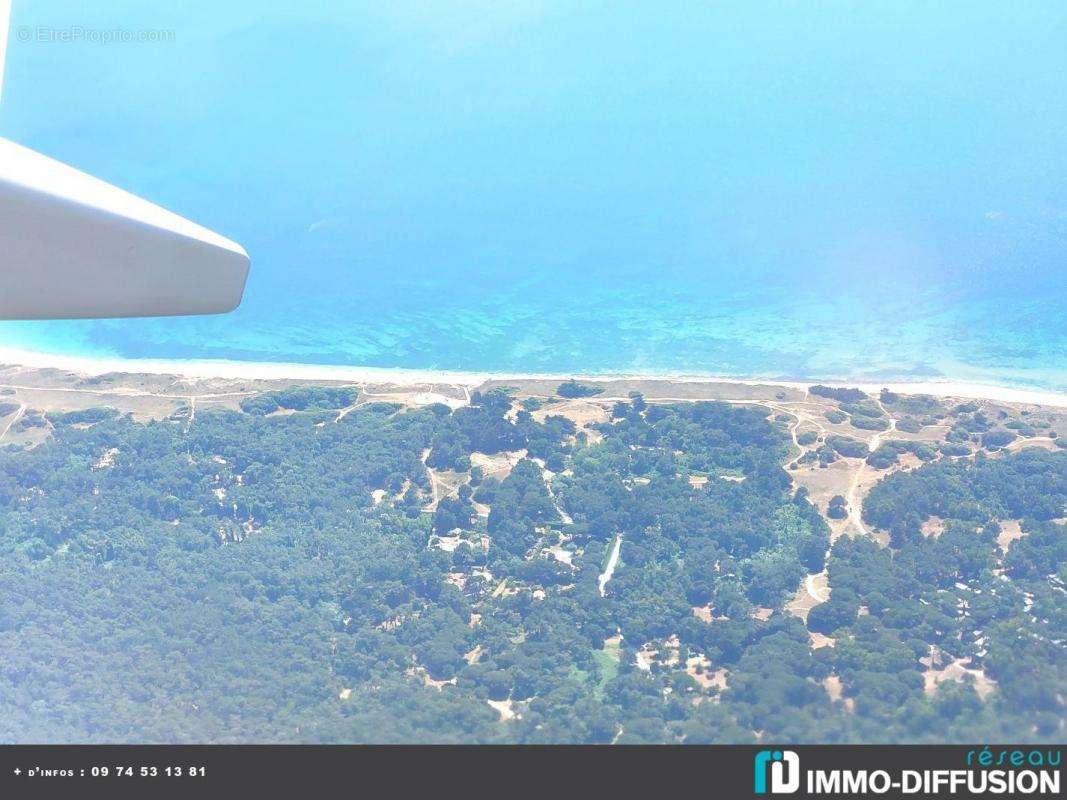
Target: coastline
277, 371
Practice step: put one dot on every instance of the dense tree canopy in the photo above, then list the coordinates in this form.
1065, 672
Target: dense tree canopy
308, 576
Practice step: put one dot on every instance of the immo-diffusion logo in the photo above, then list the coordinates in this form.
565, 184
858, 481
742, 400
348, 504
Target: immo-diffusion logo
1012, 772
784, 768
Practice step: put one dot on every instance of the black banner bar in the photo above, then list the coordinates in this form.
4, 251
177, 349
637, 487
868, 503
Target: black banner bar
800, 771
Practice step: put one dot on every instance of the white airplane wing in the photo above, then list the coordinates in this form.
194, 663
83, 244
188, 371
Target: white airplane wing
73, 246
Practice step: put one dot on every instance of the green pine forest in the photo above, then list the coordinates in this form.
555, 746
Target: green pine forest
253, 576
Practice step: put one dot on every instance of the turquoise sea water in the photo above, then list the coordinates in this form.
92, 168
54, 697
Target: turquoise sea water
809, 190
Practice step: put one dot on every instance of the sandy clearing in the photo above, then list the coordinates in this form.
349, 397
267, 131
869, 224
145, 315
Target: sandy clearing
855, 508
699, 669
834, 688
1010, 531
561, 554
813, 590
644, 657
958, 671
818, 586
504, 708
613, 561
498, 465
11, 422
240, 370
932, 527
707, 614
821, 640
1044, 442
584, 413
438, 685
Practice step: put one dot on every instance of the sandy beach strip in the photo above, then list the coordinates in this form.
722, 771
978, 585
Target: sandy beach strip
269, 371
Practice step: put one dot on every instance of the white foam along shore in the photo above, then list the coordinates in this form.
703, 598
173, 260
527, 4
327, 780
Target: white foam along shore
254, 370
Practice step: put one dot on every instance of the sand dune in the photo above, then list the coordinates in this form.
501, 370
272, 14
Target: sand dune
248, 370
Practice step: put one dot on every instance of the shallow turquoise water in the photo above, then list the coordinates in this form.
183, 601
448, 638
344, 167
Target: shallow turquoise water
840, 191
